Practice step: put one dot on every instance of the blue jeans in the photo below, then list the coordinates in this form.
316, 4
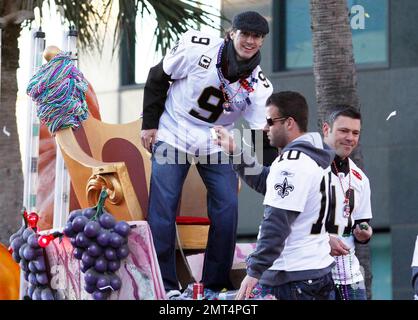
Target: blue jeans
355, 291
222, 202
313, 289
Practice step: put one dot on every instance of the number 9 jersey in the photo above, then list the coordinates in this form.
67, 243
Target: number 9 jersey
195, 100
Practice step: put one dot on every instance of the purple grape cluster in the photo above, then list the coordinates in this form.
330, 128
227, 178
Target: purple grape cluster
100, 242
31, 259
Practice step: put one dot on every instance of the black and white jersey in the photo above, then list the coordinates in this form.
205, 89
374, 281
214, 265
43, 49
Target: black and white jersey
347, 270
195, 100
297, 183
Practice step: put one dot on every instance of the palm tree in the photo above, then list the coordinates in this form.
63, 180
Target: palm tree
334, 66
173, 18
335, 78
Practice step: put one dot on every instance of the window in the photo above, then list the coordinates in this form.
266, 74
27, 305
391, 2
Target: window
369, 25
137, 58
380, 248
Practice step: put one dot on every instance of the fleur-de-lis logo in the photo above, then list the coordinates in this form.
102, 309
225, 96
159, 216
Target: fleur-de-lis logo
284, 188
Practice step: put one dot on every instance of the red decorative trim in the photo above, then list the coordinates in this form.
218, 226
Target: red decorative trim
192, 220
356, 174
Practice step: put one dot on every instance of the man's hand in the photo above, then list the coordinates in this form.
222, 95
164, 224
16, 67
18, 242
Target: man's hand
247, 286
338, 248
225, 140
363, 232
148, 138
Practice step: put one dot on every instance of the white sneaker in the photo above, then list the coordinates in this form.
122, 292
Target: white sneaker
173, 295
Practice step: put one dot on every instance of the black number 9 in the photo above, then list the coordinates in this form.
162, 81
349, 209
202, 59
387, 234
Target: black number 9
204, 41
263, 78
214, 109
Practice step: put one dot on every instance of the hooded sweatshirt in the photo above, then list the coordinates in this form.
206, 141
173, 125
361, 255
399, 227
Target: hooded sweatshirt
294, 187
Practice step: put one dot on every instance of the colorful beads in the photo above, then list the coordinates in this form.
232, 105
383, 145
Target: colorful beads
58, 89
227, 91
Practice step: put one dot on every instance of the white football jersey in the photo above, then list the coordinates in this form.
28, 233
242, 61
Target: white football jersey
347, 270
296, 182
195, 101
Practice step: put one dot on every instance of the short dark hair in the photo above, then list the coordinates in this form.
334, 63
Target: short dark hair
291, 104
227, 35
344, 110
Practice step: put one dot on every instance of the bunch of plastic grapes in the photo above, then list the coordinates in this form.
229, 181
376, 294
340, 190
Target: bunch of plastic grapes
100, 243
31, 258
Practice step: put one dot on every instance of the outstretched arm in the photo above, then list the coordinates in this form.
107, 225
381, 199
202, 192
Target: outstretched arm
253, 173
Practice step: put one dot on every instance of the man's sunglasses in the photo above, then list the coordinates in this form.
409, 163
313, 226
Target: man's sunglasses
271, 121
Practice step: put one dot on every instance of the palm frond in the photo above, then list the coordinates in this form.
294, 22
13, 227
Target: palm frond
173, 17
83, 14
86, 17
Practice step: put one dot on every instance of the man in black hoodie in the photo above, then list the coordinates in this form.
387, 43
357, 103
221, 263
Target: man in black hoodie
292, 257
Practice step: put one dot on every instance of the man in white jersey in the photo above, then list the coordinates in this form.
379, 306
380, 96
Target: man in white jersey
292, 258
202, 82
350, 209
